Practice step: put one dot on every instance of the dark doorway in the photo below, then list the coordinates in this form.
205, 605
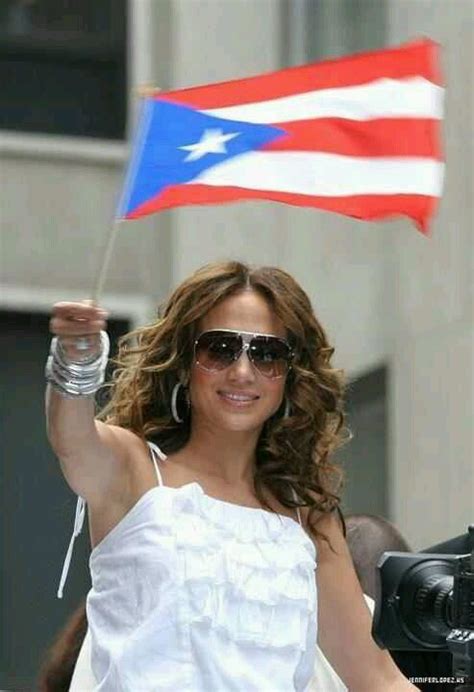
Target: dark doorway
37, 506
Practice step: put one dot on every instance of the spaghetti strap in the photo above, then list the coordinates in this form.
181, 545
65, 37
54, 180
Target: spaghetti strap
156, 452
298, 513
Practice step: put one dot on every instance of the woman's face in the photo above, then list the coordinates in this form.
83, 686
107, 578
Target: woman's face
211, 392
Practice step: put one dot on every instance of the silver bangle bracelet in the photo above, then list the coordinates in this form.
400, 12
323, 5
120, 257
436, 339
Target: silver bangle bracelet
76, 379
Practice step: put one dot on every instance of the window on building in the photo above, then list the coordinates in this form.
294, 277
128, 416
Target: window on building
342, 27
63, 67
315, 30
365, 457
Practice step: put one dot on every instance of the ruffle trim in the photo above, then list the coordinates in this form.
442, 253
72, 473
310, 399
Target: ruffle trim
257, 591
283, 624
247, 524
258, 582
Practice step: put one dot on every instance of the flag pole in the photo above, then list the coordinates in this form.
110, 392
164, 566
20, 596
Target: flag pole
142, 91
101, 274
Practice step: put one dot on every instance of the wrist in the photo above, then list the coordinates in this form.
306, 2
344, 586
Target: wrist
79, 350
73, 378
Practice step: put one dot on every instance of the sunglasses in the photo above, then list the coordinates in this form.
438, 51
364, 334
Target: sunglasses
216, 349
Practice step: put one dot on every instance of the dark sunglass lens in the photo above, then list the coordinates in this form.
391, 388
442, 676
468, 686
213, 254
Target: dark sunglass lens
217, 350
271, 356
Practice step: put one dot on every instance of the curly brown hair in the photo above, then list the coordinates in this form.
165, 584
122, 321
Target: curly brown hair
292, 452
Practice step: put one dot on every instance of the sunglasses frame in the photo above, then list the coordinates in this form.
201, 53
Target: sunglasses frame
247, 338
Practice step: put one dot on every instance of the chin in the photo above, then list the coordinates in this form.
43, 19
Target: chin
239, 423
240, 426
222, 419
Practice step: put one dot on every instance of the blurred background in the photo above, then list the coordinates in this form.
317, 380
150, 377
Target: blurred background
397, 306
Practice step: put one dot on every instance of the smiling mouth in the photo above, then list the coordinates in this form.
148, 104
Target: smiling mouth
238, 399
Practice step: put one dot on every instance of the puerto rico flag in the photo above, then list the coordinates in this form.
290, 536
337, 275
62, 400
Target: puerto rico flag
357, 135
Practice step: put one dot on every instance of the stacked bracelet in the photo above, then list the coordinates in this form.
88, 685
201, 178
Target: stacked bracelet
76, 379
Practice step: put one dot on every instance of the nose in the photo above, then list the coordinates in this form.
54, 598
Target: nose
242, 367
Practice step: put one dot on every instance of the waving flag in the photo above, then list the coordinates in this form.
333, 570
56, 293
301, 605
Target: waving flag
358, 135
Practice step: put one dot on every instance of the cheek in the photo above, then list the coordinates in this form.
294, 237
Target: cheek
201, 383
275, 387
274, 391
198, 378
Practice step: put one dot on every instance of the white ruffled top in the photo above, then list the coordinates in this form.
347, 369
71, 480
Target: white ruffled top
196, 594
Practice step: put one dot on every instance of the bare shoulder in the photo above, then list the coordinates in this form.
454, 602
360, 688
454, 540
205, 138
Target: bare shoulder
132, 452
122, 441
127, 483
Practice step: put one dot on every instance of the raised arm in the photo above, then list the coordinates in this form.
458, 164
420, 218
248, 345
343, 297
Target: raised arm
92, 455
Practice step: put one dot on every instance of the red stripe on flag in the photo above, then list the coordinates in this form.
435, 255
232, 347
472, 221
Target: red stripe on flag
420, 208
382, 137
412, 59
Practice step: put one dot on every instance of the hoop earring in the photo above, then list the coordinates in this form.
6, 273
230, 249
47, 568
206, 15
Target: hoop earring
174, 402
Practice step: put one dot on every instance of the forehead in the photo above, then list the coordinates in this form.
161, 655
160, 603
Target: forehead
246, 311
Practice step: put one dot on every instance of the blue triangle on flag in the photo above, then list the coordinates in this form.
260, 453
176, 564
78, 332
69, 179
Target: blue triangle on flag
176, 143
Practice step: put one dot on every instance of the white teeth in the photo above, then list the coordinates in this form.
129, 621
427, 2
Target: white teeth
238, 397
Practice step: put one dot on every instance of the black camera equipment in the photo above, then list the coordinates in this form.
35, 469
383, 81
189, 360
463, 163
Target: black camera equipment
425, 602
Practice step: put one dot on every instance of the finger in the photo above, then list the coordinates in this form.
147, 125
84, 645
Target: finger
77, 309
63, 327
72, 305
82, 323
77, 329
74, 311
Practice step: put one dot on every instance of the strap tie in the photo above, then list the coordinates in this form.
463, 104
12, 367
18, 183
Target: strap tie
78, 523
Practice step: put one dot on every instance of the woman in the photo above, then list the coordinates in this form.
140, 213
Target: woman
222, 419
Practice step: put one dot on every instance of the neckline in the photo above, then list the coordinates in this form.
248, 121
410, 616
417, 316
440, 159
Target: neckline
148, 493
226, 502
155, 449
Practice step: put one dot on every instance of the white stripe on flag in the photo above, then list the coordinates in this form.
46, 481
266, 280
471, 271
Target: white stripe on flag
330, 175
383, 98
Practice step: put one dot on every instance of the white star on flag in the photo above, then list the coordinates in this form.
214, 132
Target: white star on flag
211, 142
